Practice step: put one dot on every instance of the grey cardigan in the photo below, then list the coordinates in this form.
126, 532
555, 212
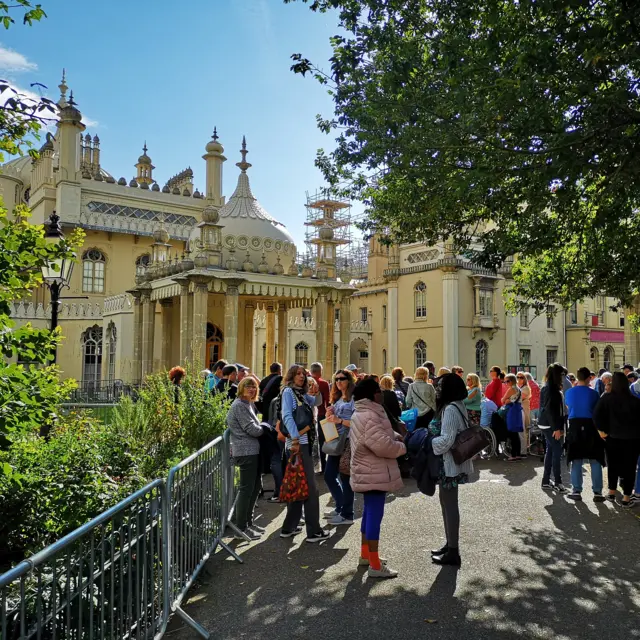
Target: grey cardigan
452, 424
245, 428
422, 396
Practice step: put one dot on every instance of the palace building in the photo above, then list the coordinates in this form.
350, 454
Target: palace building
172, 274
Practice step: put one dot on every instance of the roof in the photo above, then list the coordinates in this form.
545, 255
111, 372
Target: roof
243, 204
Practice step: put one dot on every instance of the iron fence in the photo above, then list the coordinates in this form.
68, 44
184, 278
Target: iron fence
122, 574
105, 579
107, 393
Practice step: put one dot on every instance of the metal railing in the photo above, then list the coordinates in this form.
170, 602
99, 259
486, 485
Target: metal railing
105, 579
106, 393
125, 572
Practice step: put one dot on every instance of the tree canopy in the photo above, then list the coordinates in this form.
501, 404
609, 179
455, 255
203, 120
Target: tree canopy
511, 126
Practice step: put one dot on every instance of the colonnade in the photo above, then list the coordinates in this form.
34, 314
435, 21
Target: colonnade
193, 317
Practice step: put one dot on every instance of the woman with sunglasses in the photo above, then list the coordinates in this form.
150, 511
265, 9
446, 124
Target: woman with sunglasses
340, 412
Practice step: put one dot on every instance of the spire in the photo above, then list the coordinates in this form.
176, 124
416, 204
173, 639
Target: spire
215, 136
63, 90
144, 148
244, 165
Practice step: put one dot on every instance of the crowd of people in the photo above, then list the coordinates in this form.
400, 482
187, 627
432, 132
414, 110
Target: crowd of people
585, 417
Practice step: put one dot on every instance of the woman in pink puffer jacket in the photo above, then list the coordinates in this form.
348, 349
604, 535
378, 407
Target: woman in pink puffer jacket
374, 469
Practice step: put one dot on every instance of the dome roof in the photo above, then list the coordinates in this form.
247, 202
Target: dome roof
19, 168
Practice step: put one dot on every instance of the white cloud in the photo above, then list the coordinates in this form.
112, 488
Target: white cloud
15, 62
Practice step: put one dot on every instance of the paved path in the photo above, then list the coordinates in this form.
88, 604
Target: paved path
535, 565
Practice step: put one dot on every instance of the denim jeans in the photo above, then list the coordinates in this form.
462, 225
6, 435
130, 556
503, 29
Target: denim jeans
340, 487
552, 458
277, 468
596, 476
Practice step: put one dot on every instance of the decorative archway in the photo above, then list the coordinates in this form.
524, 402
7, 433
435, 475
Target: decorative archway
215, 341
359, 354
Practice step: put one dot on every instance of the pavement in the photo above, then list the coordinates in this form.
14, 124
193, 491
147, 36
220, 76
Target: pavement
535, 565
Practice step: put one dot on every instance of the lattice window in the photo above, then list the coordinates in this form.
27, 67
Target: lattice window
92, 357
420, 300
140, 214
420, 353
552, 356
93, 262
482, 358
524, 317
302, 354
423, 256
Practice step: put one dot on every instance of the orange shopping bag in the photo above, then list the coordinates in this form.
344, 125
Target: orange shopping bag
295, 487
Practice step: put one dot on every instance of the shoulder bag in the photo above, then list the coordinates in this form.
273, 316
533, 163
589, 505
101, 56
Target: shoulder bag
468, 442
302, 416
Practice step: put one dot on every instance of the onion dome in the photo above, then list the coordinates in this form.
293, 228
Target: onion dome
161, 235
326, 233
263, 267
144, 158
213, 146
210, 214
247, 265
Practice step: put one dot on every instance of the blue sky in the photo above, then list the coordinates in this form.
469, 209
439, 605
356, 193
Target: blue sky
167, 72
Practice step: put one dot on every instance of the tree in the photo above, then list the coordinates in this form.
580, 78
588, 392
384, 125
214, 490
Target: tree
29, 393
510, 126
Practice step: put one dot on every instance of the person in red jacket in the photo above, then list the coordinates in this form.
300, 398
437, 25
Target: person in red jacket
494, 389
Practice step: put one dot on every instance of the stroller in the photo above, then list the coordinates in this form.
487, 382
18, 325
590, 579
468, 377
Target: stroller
536, 440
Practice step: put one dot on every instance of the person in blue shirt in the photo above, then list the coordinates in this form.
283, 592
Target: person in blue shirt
487, 409
583, 441
214, 379
296, 390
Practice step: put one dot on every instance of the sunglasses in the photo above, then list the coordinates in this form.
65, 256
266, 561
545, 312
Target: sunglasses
342, 379
520, 377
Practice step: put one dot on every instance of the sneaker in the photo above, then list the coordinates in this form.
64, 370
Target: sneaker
257, 529
575, 495
635, 499
547, 486
598, 497
290, 534
625, 504
274, 499
560, 488
249, 533
338, 520
383, 572
331, 514
364, 562
318, 537
611, 497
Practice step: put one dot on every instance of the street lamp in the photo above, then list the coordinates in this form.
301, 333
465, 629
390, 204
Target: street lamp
56, 273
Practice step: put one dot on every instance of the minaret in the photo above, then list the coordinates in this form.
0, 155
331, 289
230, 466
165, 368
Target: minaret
70, 128
145, 168
214, 159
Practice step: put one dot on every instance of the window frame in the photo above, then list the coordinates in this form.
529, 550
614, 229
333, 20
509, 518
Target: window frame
90, 267
419, 352
300, 348
482, 363
420, 301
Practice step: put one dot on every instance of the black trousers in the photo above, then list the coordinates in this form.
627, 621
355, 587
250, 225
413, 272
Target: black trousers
622, 459
323, 456
516, 449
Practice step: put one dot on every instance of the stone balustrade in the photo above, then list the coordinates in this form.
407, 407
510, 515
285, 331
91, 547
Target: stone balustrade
22, 310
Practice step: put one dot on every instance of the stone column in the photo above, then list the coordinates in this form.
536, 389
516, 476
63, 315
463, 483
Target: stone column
249, 313
476, 296
283, 332
331, 323
450, 318
136, 365
271, 333
231, 302
186, 322
199, 329
345, 331
166, 311
148, 332
321, 331
392, 323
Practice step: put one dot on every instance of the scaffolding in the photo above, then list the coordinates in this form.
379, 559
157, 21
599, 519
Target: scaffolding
325, 211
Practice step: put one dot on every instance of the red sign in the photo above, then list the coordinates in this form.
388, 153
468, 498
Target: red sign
602, 335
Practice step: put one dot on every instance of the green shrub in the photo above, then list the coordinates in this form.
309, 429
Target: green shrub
60, 483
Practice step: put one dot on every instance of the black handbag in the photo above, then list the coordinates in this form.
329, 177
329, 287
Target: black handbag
469, 442
302, 416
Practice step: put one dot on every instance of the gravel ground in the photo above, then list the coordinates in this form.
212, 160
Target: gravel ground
535, 565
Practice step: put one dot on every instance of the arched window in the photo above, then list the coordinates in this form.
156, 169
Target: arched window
595, 358
384, 361
92, 357
420, 352
143, 260
302, 354
93, 262
111, 362
482, 358
420, 300
215, 340
608, 358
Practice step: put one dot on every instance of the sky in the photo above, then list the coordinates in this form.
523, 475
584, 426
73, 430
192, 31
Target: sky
168, 72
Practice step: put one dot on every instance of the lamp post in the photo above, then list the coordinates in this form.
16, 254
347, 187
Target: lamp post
56, 273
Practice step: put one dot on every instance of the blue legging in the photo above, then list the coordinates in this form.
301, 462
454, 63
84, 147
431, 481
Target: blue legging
372, 514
